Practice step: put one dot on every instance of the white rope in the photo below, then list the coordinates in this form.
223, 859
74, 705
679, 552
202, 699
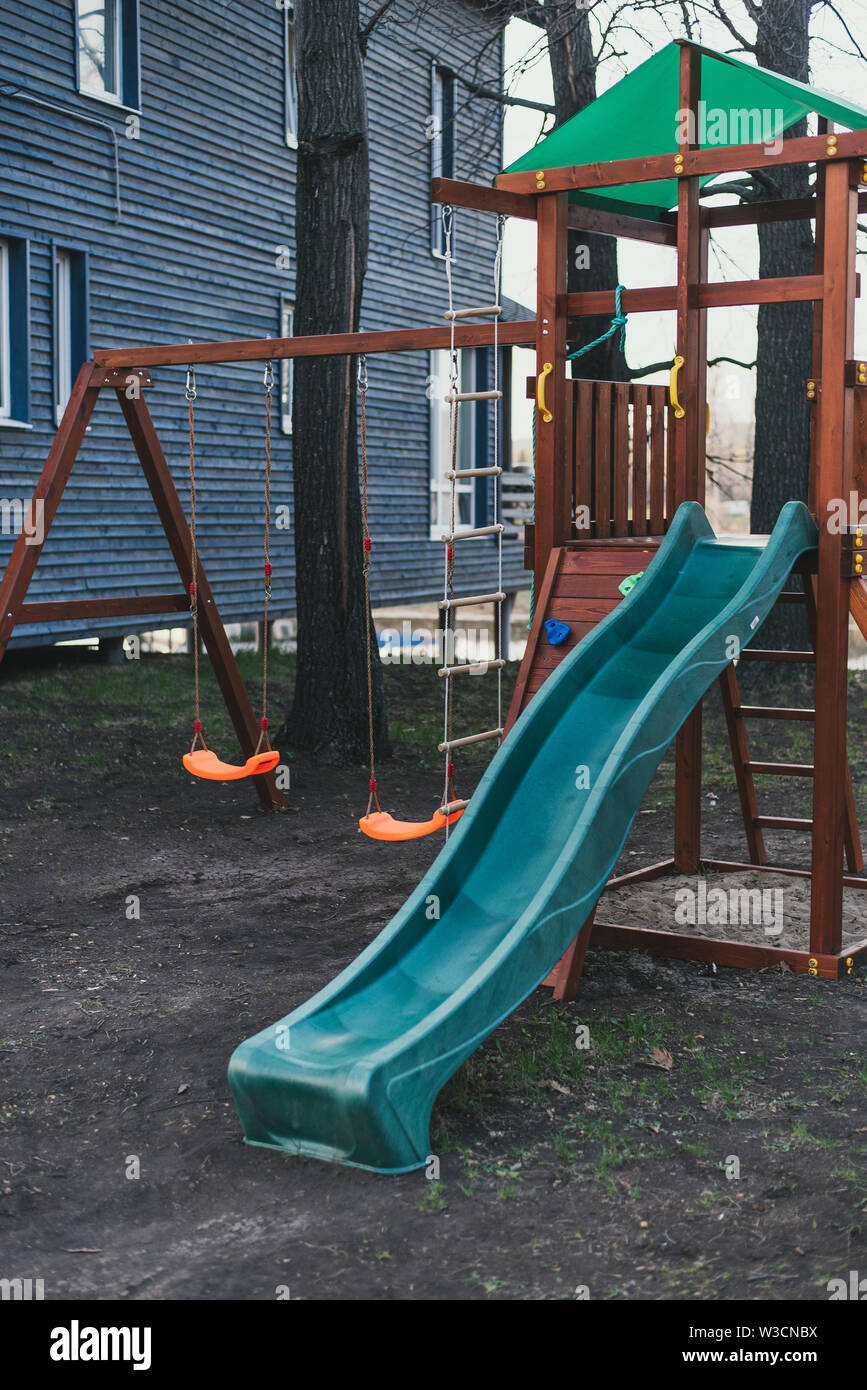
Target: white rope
448, 218
498, 638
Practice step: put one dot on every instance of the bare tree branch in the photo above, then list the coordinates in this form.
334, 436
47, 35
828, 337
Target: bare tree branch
378, 14
826, 4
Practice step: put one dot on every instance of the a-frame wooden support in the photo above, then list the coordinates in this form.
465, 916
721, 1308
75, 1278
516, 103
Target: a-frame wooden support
128, 387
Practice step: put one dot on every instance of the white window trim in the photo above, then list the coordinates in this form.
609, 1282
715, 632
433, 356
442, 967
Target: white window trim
287, 367
5, 336
439, 455
113, 98
62, 331
290, 95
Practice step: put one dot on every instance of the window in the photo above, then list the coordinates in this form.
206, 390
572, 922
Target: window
14, 331
441, 443
287, 367
290, 85
70, 323
442, 138
107, 50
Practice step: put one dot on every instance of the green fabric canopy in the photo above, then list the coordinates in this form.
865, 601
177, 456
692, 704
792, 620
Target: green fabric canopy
638, 116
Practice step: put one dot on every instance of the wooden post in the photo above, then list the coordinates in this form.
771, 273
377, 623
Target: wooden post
689, 442
553, 477
833, 480
49, 490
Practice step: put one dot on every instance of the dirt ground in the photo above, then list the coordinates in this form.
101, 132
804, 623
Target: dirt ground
709, 1144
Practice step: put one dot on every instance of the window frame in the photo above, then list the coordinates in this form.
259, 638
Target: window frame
287, 365
16, 329
70, 340
127, 58
290, 82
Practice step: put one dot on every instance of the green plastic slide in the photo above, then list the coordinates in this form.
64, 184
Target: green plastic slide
352, 1075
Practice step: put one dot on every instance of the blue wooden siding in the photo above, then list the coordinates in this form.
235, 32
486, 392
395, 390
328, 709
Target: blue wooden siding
206, 198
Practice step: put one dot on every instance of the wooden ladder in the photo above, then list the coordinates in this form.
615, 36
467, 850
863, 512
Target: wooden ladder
746, 769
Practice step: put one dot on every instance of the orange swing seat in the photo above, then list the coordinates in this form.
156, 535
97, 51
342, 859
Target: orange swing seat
381, 826
203, 763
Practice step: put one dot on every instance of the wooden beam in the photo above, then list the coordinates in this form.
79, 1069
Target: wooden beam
49, 490
834, 474
552, 514
743, 955
689, 447
76, 610
723, 294
623, 224
482, 197
318, 345
724, 159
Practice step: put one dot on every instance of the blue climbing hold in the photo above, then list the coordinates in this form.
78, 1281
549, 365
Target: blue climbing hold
557, 632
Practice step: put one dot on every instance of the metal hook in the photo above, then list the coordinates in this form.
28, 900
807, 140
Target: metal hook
268, 378
362, 373
190, 389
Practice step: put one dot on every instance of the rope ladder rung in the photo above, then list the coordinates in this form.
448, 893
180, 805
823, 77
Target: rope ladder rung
449, 603
470, 738
483, 311
455, 397
478, 668
472, 535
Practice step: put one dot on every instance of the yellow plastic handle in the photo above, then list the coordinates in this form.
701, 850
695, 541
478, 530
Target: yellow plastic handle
679, 411
547, 369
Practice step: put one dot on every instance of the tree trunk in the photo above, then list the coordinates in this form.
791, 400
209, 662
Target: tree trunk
592, 258
329, 712
781, 463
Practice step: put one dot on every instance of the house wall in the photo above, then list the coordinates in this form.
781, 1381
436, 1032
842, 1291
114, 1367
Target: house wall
206, 194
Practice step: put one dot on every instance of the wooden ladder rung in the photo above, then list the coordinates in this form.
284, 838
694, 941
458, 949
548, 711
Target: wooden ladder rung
783, 823
470, 738
484, 311
470, 601
792, 596
780, 769
476, 668
474, 534
459, 473
772, 712
458, 396
752, 654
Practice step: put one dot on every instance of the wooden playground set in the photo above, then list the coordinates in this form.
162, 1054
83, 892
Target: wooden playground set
613, 462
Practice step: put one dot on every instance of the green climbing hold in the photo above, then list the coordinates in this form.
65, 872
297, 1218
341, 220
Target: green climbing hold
629, 583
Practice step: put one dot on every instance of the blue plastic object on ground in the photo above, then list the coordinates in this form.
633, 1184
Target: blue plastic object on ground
352, 1074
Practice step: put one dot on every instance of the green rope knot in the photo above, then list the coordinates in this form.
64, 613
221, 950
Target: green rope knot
618, 323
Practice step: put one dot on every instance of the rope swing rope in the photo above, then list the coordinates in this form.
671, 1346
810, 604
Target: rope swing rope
378, 824
202, 762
